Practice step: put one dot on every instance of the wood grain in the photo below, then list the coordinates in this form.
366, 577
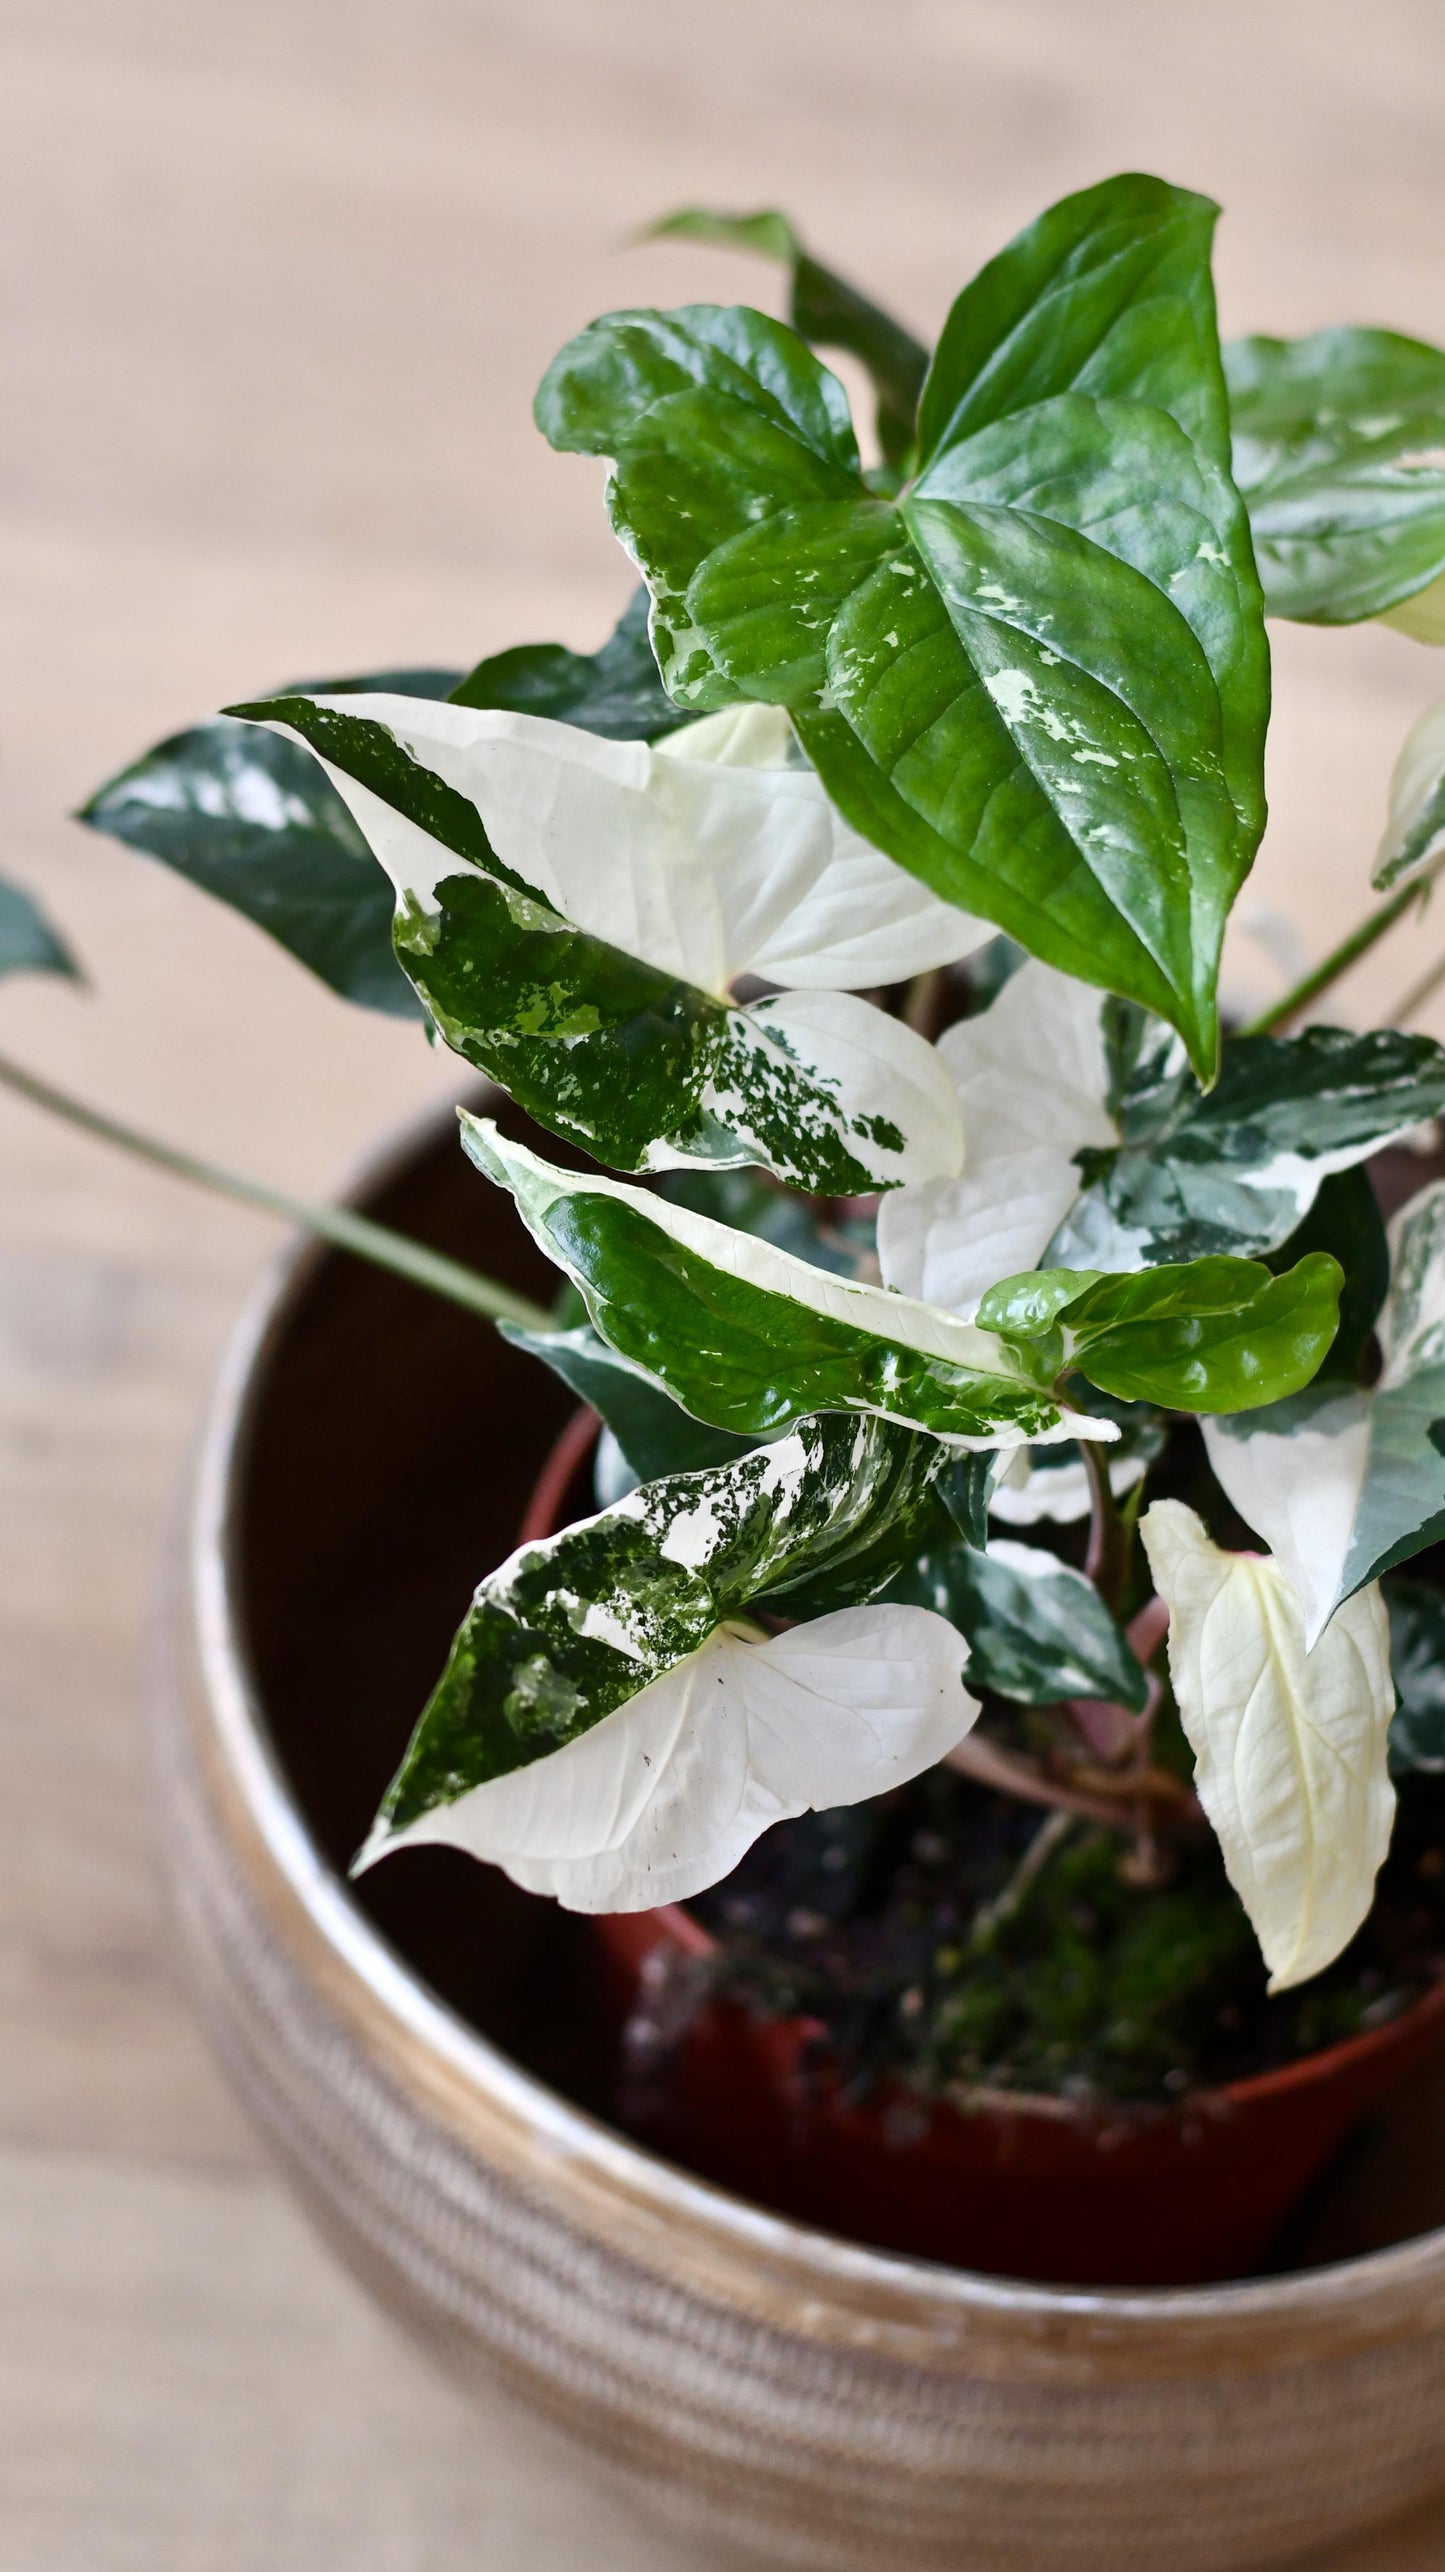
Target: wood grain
277, 287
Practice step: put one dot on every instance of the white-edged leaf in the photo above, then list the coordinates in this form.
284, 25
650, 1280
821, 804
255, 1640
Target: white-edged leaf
707, 867
1031, 1079
1289, 1748
1415, 828
748, 1337
1343, 1484
668, 1792
573, 910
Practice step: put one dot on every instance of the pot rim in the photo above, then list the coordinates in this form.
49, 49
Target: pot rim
852, 2292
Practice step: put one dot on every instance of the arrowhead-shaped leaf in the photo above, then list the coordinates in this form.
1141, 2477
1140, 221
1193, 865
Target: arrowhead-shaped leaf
1339, 449
1040, 679
1289, 1747
608, 1732
573, 911
749, 1338
250, 817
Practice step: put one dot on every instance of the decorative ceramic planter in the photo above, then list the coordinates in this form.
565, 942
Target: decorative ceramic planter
419, 2053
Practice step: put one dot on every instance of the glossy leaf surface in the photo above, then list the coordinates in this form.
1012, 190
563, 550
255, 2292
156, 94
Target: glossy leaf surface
1289, 1747
622, 1634
1235, 1169
1037, 1630
826, 311
572, 910
1339, 449
1040, 681
747, 1337
1207, 1335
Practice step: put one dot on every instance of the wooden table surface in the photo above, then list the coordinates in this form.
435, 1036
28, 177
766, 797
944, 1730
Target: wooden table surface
278, 284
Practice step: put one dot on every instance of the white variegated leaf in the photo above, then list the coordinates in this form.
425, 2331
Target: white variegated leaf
1289, 1746
1342, 1484
1415, 827
747, 1336
1031, 1082
666, 1794
1295, 1473
707, 868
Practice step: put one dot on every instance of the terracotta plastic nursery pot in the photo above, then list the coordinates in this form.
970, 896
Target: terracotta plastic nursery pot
428, 2052
1025, 2186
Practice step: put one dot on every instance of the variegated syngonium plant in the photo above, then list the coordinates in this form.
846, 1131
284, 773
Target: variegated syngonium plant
849, 1300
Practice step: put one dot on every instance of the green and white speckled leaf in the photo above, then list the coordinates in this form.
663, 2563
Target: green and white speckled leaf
1343, 1484
1037, 1630
610, 1730
749, 1338
573, 911
1339, 450
827, 312
1289, 1748
1040, 680
1415, 829
1206, 1335
1237, 1168
28, 944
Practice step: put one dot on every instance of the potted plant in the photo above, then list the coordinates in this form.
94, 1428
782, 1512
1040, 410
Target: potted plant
990, 1695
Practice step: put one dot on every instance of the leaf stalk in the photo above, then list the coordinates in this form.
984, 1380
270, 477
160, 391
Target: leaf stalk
345, 1230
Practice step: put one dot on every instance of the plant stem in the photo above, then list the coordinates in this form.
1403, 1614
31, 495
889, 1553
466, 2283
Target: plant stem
1107, 1559
1348, 952
337, 1224
991, 1916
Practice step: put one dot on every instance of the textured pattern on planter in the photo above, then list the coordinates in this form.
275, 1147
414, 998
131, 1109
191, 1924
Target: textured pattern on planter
817, 2404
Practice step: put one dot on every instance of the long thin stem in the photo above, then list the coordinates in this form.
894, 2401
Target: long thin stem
337, 1224
1348, 952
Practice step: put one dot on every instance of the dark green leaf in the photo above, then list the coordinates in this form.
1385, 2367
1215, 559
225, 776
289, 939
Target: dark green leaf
746, 1337
655, 1435
833, 1508
252, 819
1206, 1335
616, 692
1236, 1168
826, 311
28, 944
1339, 449
1417, 1663
965, 1487
1040, 682
1037, 1630
749, 1201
